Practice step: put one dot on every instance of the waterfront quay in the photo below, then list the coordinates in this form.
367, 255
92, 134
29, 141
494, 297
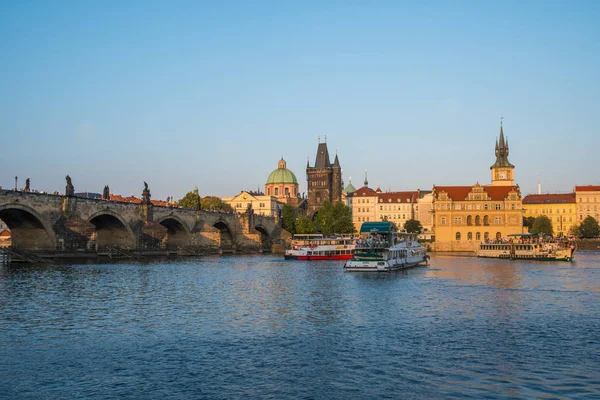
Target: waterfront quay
260, 327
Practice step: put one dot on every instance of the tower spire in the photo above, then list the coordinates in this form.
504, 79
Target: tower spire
366, 180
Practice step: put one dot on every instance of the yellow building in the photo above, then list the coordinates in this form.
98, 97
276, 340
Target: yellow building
261, 204
559, 208
588, 202
466, 215
369, 205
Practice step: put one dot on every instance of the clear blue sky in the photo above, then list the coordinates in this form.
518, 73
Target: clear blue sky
213, 94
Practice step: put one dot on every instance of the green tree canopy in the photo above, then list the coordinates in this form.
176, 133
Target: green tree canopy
342, 216
589, 228
528, 223
575, 231
216, 204
289, 218
304, 225
190, 200
413, 226
542, 224
324, 218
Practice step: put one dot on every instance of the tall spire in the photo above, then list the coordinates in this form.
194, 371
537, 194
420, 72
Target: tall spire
501, 150
366, 180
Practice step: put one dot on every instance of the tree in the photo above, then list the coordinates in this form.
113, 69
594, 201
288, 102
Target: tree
324, 218
542, 224
589, 228
304, 225
413, 226
216, 204
528, 223
190, 200
575, 231
289, 219
342, 219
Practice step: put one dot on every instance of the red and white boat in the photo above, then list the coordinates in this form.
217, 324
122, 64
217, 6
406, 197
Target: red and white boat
315, 247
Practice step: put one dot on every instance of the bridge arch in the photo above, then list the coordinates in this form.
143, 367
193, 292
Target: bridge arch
265, 239
28, 229
178, 234
227, 238
112, 230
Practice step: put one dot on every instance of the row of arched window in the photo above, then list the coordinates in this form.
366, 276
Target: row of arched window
486, 235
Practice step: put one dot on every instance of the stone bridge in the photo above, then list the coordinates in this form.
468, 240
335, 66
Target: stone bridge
58, 224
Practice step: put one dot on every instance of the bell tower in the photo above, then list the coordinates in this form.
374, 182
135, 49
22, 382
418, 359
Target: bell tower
503, 172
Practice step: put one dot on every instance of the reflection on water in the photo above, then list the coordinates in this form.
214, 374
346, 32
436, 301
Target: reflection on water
255, 327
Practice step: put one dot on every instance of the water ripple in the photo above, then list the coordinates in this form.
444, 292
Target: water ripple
259, 327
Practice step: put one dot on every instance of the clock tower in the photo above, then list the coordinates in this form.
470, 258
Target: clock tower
503, 172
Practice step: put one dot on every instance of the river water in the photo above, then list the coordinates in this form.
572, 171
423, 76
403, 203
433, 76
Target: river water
260, 327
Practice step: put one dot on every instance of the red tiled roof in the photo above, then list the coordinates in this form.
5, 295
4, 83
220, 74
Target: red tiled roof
456, 193
5, 233
363, 191
588, 188
460, 193
549, 198
399, 197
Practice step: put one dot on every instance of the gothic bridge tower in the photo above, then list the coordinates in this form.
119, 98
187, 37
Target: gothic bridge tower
324, 179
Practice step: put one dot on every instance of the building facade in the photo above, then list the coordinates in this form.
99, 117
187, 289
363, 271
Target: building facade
466, 215
261, 204
561, 209
368, 205
588, 202
324, 180
425, 213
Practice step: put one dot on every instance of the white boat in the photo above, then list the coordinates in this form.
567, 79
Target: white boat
314, 247
528, 247
385, 250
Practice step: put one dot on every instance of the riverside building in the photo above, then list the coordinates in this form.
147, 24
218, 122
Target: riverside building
559, 208
466, 215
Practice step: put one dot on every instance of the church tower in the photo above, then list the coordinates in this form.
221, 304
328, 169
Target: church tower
324, 180
503, 172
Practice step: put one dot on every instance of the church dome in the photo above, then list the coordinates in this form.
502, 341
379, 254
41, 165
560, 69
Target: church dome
282, 174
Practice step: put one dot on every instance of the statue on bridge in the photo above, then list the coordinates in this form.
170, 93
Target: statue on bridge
27, 187
70, 189
146, 195
106, 193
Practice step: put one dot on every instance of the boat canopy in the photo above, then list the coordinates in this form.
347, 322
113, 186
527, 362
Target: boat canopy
377, 227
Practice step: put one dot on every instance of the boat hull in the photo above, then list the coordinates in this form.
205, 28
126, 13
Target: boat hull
318, 258
384, 266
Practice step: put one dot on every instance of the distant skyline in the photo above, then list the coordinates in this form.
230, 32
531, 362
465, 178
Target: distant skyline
213, 95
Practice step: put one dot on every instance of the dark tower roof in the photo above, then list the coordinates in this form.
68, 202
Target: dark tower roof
502, 152
336, 162
322, 160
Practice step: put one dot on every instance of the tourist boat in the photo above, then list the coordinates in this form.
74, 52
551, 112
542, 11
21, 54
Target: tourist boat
314, 247
385, 250
528, 247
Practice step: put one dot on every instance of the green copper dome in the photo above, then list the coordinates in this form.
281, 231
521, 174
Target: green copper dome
282, 174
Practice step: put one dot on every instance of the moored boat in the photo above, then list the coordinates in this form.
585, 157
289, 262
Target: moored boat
385, 250
314, 247
528, 247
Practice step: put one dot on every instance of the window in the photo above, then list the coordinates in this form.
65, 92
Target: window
457, 235
268, 191
478, 236
457, 220
498, 206
477, 220
470, 236
485, 206
287, 191
443, 220
486, 220
469, 220
498, 235
486, 235
276, 191
557, 219
498, 220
